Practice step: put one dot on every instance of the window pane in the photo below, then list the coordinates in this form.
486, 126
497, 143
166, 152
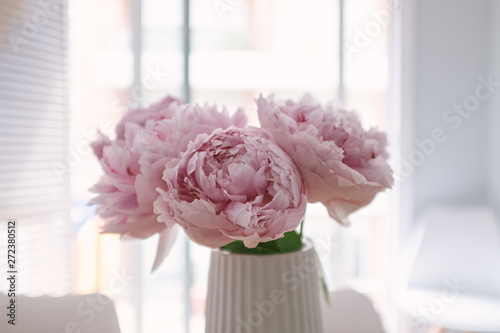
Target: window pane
163, 292
261, 46
161, 57
101, 76
366, 82
241, 49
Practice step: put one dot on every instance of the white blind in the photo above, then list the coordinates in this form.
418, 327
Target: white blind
33, 138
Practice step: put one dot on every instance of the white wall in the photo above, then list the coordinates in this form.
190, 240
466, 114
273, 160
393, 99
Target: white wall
454, 42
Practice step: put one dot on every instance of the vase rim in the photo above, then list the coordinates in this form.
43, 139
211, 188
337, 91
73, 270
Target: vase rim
306, 246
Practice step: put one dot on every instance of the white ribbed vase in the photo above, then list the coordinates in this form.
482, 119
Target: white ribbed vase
263, 293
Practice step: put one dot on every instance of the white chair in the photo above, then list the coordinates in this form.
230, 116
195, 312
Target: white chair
454, 282
350, 312
93, 313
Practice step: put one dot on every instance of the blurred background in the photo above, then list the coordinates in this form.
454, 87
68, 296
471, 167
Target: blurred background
70, 67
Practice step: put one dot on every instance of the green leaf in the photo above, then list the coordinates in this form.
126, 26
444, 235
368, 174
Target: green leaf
292, 242
238, 247
269, 247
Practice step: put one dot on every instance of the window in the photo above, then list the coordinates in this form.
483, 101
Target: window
237, 50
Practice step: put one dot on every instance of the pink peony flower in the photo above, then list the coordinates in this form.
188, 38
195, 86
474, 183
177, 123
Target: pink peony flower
163, 109
133, 165
163, 141
99, 144
117, 200
231, 185
343, 166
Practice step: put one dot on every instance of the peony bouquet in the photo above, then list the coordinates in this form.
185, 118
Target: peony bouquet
230, 185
